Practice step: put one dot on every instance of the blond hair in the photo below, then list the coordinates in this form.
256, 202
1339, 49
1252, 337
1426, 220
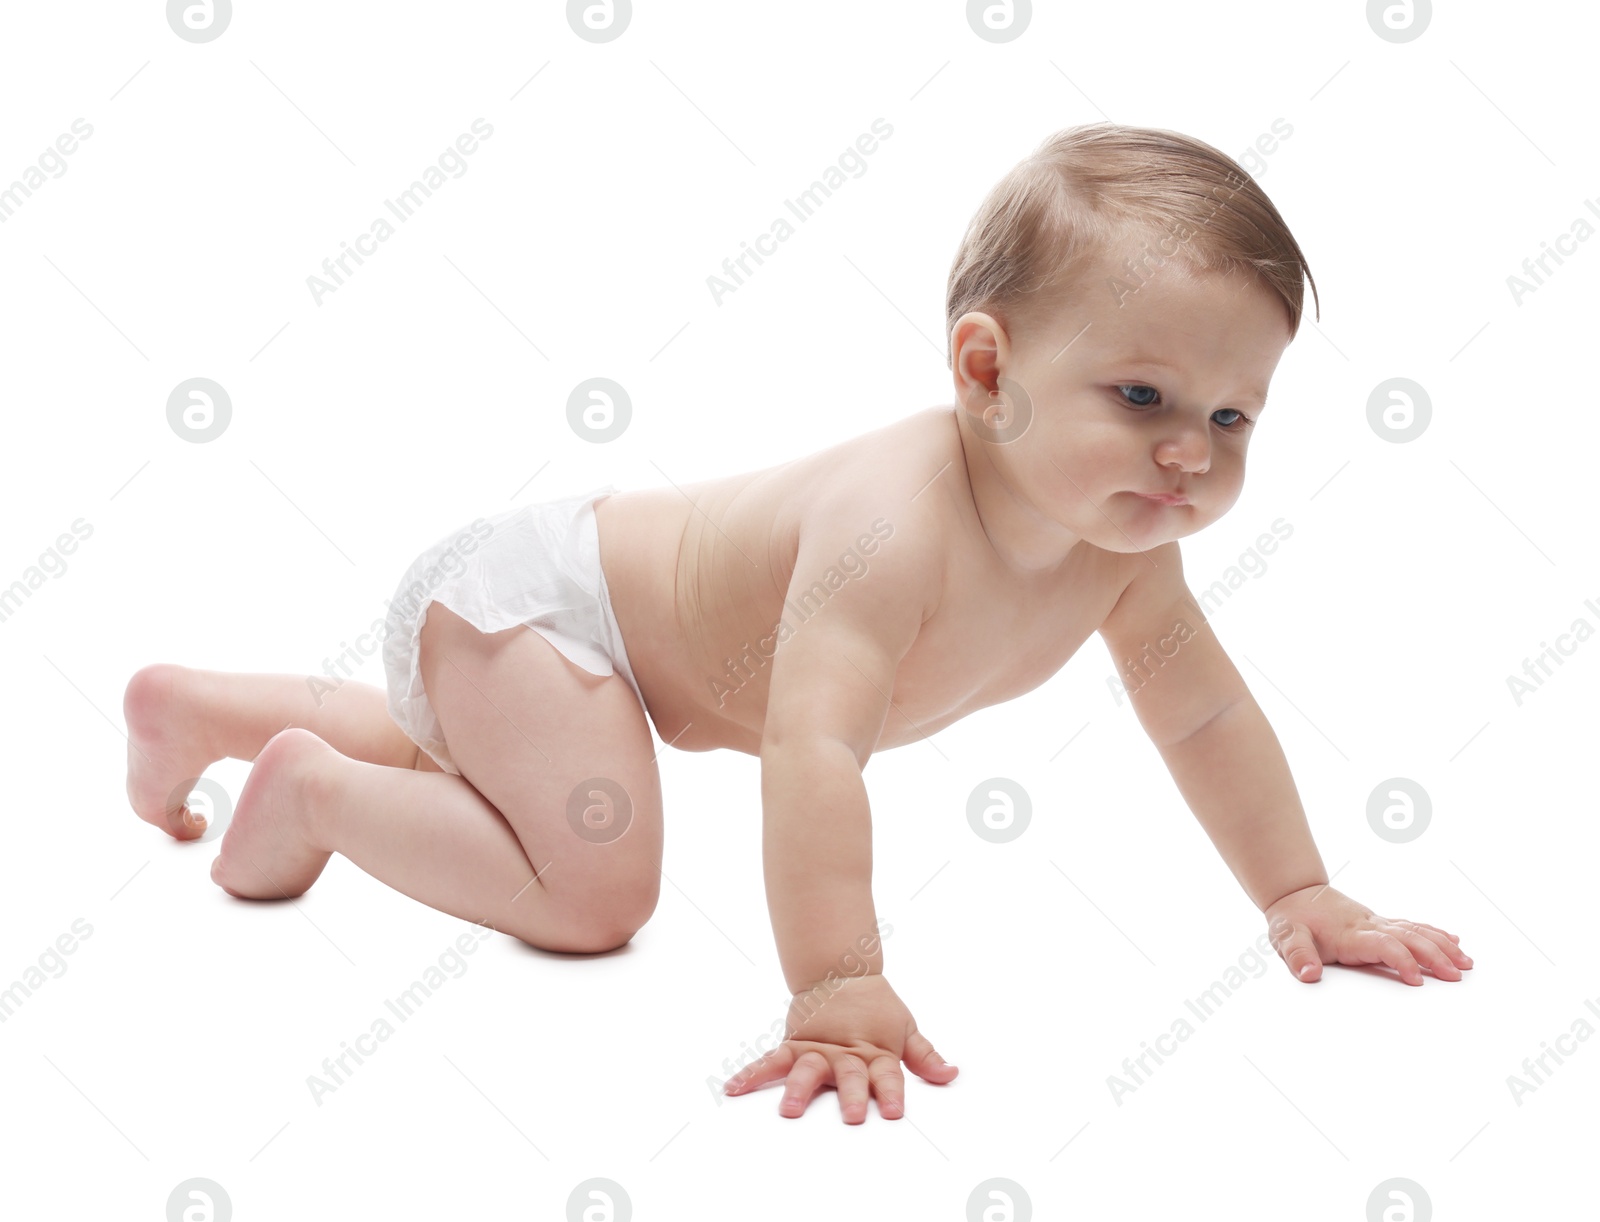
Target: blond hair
1098, 185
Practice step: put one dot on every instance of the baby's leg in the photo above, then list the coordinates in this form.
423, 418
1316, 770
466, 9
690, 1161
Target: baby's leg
429, 835
567, 758
529, 730
182, 720
327, 783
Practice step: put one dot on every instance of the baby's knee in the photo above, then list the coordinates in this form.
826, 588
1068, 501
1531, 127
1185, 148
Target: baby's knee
588, 919
577, 937
605, 917
593, 940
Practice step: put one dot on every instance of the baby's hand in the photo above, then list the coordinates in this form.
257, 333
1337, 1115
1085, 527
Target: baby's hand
1317, 924
853, 1038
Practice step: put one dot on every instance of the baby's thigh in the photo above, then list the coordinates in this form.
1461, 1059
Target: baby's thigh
564, 755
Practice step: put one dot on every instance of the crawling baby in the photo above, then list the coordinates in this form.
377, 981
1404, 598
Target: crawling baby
1114, 317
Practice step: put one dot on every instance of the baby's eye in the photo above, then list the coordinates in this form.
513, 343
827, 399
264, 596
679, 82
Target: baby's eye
1144, 396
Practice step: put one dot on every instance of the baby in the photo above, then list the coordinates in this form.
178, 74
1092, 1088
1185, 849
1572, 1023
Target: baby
1114, 316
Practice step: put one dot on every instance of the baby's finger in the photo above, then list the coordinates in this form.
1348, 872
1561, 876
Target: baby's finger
769, 1068
889, 1084
1299, 952
1429, 952
1375, 946
850, 1076
922, 1060
1434, 929
1442, 940
810, 1068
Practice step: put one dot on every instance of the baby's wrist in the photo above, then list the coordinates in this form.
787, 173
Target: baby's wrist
810, 957
834, 981
1320, 882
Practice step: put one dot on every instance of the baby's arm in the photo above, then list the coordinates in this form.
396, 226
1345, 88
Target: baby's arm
832, 680
1231, 770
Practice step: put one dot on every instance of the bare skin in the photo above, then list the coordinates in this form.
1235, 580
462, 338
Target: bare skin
813, 613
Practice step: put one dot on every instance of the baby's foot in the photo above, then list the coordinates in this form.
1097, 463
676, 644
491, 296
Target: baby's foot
167, 749
266, 854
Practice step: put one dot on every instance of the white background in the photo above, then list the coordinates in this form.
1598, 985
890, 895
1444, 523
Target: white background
432, 386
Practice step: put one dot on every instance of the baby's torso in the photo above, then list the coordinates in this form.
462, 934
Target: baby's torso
697, 587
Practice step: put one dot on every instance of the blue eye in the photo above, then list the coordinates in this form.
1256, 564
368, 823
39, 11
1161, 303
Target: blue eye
1144, 396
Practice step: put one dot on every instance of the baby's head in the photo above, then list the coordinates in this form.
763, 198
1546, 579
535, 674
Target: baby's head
1114, 316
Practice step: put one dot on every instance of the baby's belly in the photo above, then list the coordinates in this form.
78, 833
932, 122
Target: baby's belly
685, 713
699, 607
679, 654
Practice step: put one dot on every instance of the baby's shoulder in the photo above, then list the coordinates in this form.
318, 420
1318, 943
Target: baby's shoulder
877, 499
896, 479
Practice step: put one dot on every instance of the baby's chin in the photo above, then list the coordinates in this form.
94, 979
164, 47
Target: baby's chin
1177, 522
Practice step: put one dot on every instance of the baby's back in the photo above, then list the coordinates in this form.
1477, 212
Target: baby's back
704, 591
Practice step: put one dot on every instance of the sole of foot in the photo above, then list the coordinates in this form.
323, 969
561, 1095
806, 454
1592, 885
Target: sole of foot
166, 755
265, 852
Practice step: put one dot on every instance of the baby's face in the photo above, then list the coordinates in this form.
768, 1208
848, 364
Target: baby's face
1157, 394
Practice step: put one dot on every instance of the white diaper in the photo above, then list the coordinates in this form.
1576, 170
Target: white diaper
537, 565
